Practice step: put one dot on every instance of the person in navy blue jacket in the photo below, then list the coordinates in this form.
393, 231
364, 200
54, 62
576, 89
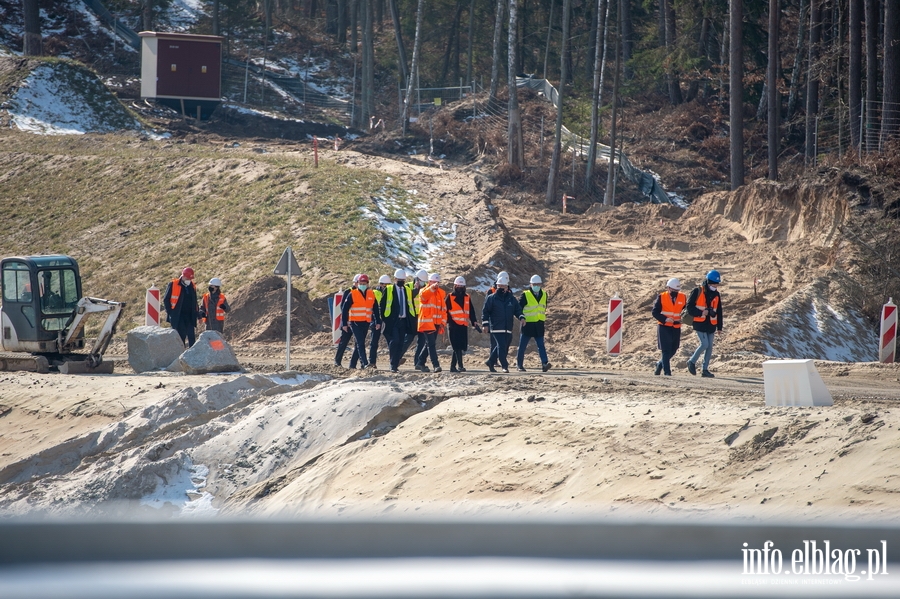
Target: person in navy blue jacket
500, 308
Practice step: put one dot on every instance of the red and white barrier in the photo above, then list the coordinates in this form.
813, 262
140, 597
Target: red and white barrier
614, 326
152, 314
888, 339
336, 317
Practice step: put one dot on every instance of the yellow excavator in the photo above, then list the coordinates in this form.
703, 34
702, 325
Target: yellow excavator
43, 316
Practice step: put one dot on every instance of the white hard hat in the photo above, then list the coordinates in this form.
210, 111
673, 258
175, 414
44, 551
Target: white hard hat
503, 278
400, 274
536, 280
459, 281
215, 282
434, 277
356, 278
384, 279
422, 275
673, 284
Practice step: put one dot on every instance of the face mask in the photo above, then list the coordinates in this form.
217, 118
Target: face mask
212, 289
401, 283
535, 288
501, 290
459, 290
713, 287
363, 287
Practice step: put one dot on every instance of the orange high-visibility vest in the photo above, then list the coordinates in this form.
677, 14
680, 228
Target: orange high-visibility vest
176, 292
361, 309
672, 309
433, 309
701, 305
220, 311
460, 315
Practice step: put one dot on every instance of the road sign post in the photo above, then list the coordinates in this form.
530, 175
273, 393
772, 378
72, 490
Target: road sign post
287, 266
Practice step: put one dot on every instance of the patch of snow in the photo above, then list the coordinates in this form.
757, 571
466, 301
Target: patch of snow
96, 26
182, 15
823, 332
184, 491
415, 242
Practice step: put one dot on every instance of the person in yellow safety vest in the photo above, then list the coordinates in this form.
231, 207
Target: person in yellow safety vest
180, 303
213, 306
419, 282
360, 313
705, 305
432, 321
379, 292
667, 311
461, 312
397, 314
534, 307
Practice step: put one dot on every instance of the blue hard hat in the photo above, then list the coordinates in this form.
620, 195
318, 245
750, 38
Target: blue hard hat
713, 277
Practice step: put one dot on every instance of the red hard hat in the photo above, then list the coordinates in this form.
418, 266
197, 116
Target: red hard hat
188, 273
363, 279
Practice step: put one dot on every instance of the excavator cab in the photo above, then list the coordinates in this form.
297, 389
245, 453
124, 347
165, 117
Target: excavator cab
43, 313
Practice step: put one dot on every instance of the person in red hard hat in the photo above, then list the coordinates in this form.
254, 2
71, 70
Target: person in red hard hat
180, 302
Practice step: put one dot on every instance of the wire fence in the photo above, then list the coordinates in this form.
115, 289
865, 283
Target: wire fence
879, 123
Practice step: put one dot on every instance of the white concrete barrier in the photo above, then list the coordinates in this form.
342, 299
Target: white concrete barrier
794, 383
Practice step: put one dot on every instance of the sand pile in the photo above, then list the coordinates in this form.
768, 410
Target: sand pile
258, 312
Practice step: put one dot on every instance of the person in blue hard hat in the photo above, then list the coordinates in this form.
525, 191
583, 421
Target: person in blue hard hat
705, 307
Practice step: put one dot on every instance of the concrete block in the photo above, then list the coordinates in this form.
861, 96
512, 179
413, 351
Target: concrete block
794, 383
152, 347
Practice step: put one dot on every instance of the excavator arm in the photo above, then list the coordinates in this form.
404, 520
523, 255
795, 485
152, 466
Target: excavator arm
85, 308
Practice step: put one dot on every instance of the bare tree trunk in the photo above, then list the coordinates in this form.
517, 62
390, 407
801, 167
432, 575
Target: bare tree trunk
552, 184
772, 75
216, 28
398, 35
812, 82
798, 62
469, 59
890, 112
495, 63
736, 93
596, 96
515, 143
368, 60
413, 79
549, 36
610, 198
451, 38
627, 36
146, 15
671, 72
855, 74
32, 41
871, 117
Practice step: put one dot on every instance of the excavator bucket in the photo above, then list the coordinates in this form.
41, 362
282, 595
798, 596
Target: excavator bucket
84, 367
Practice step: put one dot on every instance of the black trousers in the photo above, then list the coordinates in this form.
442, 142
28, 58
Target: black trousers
186, 332
429, 348
373, 346
360, 331
668, 339
500, 349
342, 346
396, 337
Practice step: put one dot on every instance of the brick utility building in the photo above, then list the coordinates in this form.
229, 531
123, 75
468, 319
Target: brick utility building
182, 71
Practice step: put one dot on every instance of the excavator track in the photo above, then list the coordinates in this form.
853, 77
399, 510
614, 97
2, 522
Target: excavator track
66, 364
11, 361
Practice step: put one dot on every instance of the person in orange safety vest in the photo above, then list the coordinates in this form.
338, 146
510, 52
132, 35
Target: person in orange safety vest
705, 305
360, 312
432, 321
667, 311
213, 306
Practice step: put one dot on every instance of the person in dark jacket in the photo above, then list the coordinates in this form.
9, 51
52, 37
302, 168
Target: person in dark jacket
534, 307
461, 312
705, 306
500, 308
180, 301
213, 306
359, 314
397, 314
346, 335
667, 312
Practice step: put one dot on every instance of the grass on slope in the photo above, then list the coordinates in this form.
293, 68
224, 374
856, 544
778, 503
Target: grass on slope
133, 213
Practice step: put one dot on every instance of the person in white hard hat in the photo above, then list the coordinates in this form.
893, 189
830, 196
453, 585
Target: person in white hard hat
346, 335
398, 314
500, 308
667, 311
490, 292
420, 280
461, 313
534, 307
432, 321
213, 306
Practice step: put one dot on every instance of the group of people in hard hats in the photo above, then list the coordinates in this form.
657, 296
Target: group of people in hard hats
704, 307
183, 312
414, 307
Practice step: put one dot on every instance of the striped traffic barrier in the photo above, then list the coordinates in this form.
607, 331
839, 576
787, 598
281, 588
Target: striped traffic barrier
888, 338
151, 317
614, 326
336, 317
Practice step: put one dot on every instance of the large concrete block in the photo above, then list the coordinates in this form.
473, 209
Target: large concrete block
152, 347
211, 353
794, 383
